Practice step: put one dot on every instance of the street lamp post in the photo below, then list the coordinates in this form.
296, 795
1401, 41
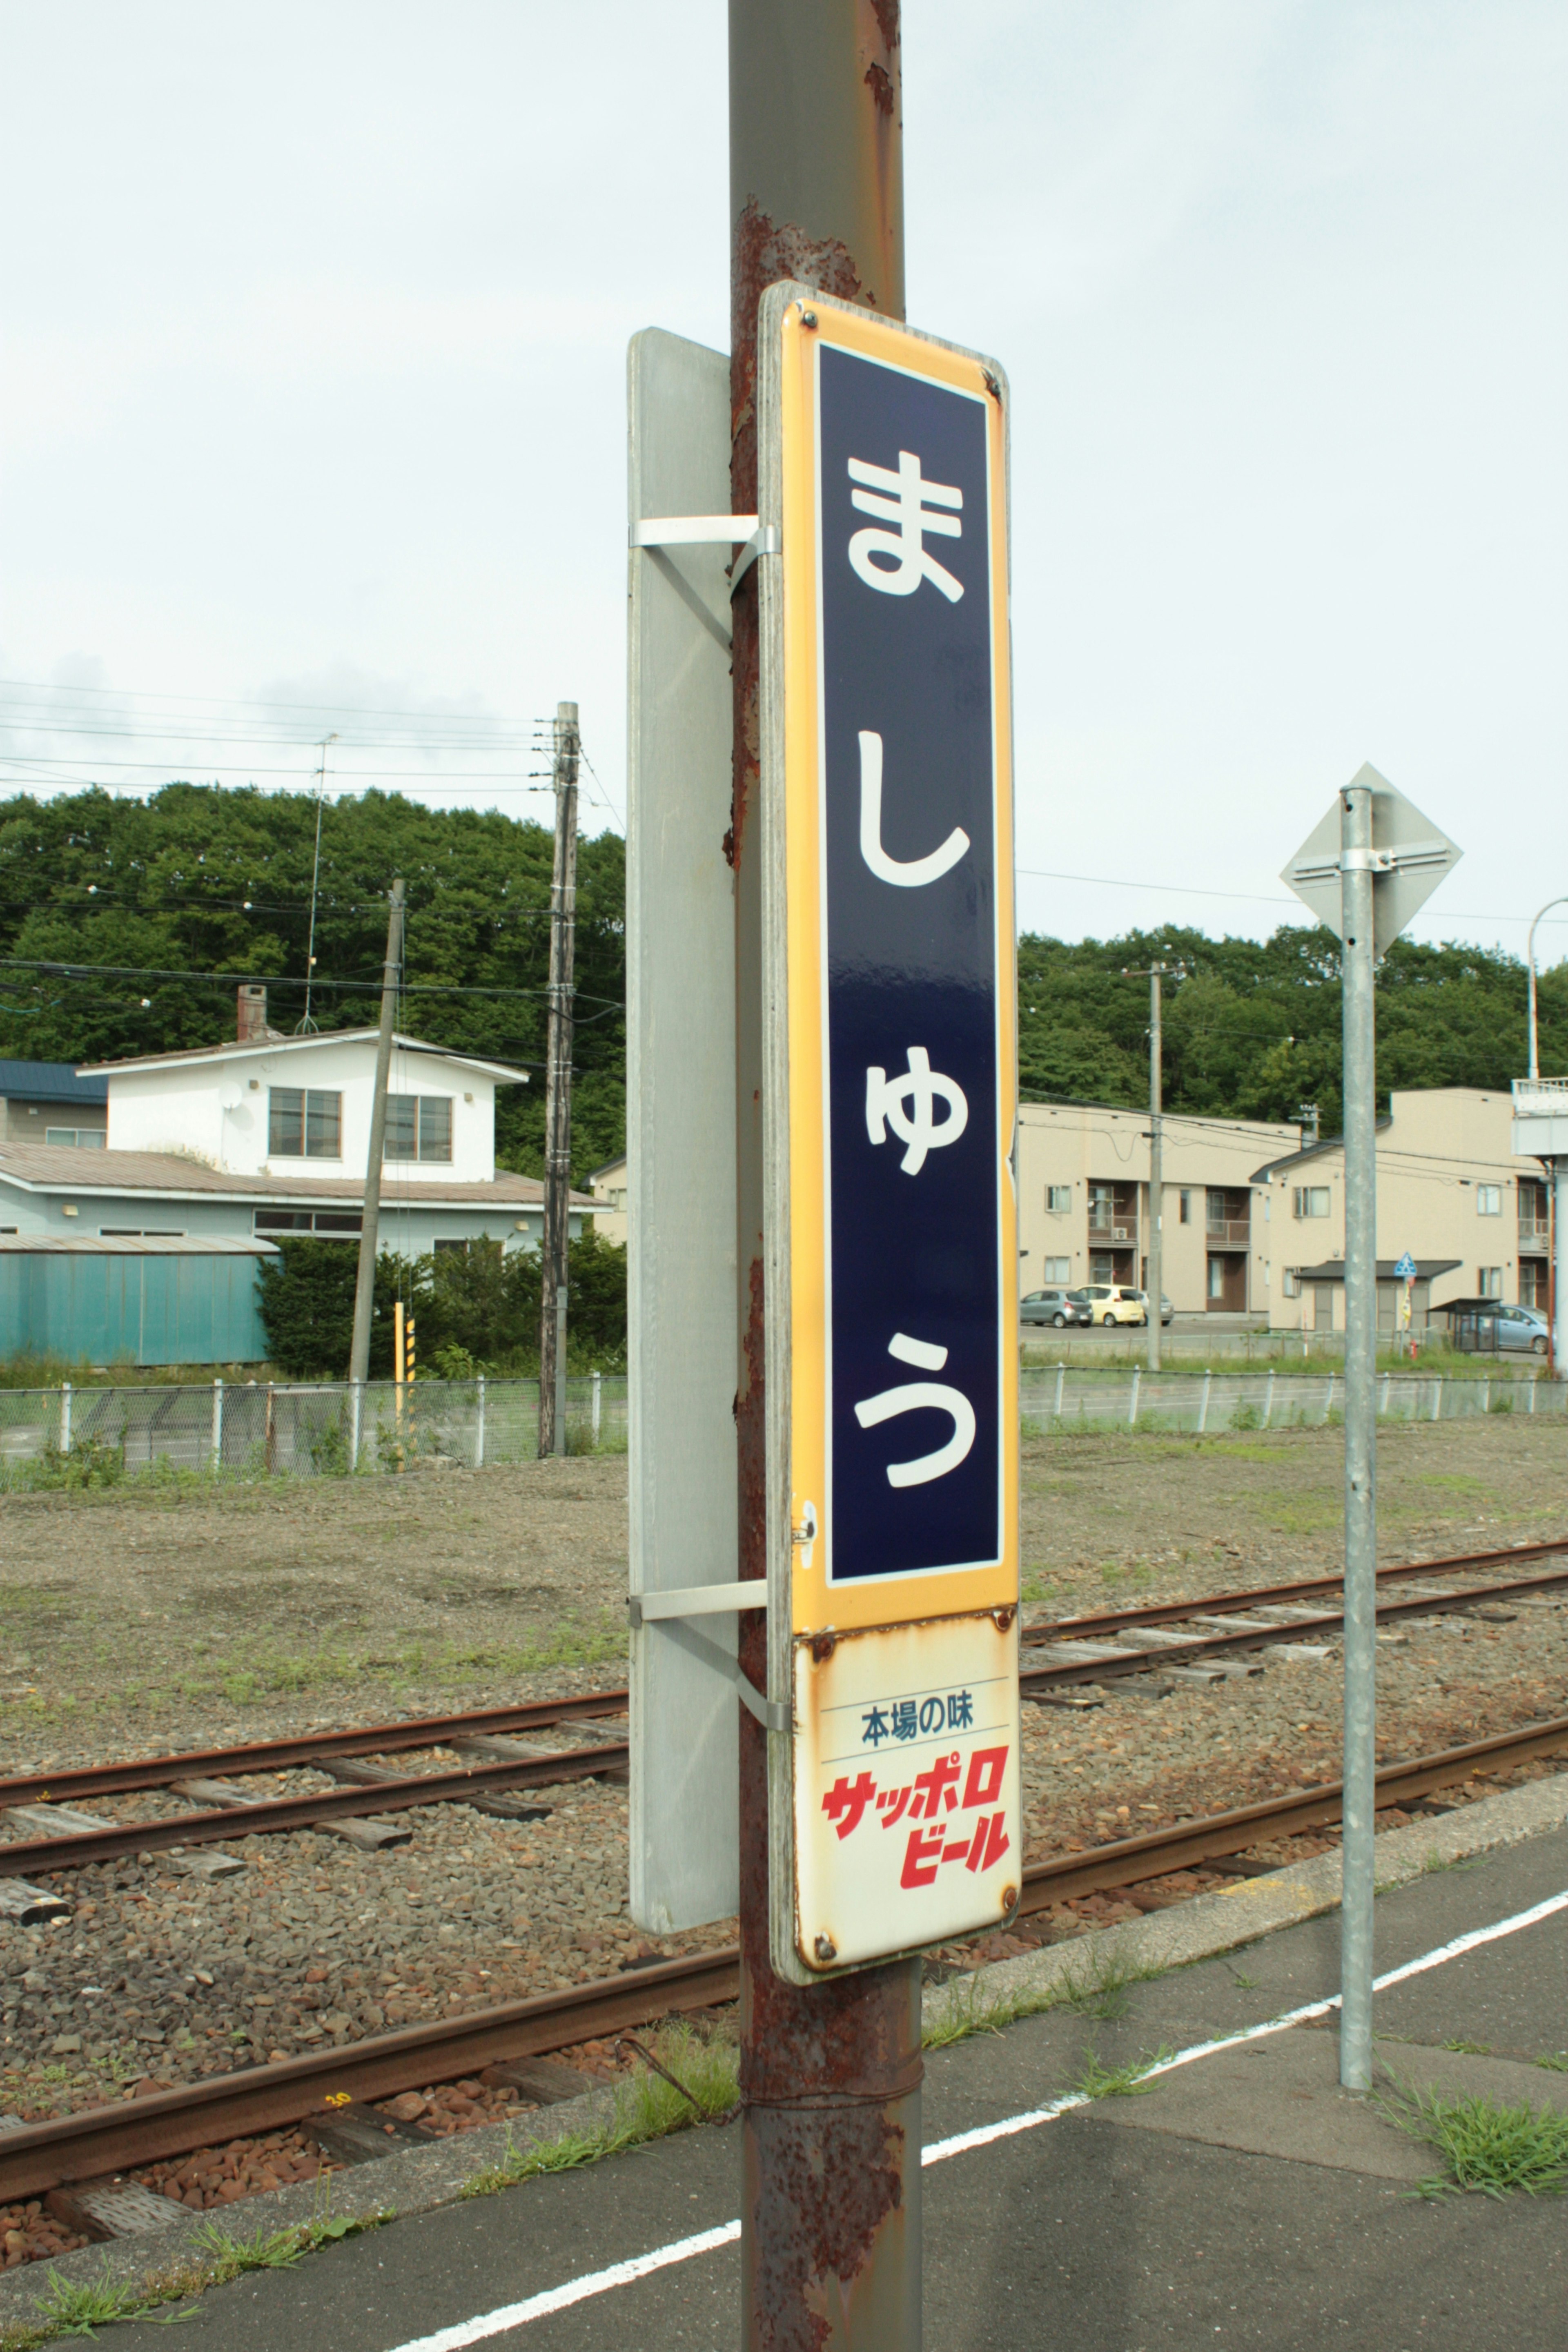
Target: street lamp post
1530, 966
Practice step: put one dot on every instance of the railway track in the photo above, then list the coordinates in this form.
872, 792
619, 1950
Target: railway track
1134, 1641
100, 2141
42, 1799
1091, 1649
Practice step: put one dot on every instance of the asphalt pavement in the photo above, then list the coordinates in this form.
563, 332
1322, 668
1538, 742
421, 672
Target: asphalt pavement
1240, 2199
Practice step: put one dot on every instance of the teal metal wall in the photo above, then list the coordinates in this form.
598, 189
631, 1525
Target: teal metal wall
131, 1309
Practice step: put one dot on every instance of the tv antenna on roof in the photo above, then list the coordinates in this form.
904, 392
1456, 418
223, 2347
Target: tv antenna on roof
304, 1026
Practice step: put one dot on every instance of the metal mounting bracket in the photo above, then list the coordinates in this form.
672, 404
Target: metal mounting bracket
697, 1600
770, 1713
709, 530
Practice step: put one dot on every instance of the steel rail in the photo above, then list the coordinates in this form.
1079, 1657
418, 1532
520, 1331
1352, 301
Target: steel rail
1106, 1667
101, 2140
19, 1859
1219, 1604
277, 1755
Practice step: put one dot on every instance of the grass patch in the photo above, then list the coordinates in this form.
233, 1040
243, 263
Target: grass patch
646, 2108
80, 2307
1555, 2062
1098, 2082
1101, 1991
1492, 2150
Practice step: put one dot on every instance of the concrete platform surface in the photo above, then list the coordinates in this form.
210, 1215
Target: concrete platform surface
1240, 2200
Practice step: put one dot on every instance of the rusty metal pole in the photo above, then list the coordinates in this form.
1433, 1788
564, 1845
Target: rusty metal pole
830, 2074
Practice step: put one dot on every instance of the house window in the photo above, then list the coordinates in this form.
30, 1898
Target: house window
1186, 1208
1488, 1282
441, 1245
1217, 1277
1488, 1199
87, 1138
1058, 1200
1056, 1270
303, 1123
1310, 1201
142, 1232
342, 1223
418, 1127
1289, 1283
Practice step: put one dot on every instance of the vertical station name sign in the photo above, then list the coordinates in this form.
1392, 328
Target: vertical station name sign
890, 1115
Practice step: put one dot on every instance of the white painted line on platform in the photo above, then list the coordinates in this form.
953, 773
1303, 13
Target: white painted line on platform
683, 2250
562, 2298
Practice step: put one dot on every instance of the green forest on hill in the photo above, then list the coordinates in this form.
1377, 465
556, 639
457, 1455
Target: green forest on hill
201, 879
196, 879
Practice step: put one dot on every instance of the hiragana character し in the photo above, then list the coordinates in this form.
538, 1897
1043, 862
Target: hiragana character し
846, 1801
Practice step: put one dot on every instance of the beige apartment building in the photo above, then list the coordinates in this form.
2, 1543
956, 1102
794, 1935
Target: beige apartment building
1251, 1230
1449, 1194
1083, 1203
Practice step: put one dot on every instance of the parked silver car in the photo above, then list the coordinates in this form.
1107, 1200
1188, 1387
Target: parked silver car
1058, 1307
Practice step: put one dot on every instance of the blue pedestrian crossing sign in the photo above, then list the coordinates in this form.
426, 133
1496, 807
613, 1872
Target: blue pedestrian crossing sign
889, 1106
1404, 1269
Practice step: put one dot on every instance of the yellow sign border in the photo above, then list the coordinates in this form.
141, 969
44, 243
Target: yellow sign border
807, 323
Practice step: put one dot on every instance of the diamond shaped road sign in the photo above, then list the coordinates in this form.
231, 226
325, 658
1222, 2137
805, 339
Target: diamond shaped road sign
1409, 856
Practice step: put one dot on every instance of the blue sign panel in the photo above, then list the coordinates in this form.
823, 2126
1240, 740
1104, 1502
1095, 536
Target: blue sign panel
1405, 1269
908, 753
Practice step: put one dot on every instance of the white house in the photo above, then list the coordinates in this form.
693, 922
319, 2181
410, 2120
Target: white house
270, 1135
272, 1106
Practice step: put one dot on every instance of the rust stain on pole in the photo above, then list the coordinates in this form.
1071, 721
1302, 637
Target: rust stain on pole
830, 2073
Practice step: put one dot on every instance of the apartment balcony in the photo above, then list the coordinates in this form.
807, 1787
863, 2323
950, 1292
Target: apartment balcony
1229, 1233
1535, 1236
1120, 1234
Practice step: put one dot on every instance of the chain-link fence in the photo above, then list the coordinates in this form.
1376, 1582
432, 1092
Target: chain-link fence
1068, 1398
96, 1436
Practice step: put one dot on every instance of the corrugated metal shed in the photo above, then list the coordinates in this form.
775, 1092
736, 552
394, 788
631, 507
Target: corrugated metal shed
170, 1300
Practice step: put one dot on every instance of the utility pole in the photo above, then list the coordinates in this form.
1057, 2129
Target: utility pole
1156, 1171
1155, 1286
364, 1285
554, 1248
1357, 965
830, 2073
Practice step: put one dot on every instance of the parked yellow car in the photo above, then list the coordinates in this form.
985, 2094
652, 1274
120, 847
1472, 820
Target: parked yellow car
1114, 1302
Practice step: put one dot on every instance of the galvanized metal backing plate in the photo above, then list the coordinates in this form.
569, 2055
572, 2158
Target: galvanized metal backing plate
680, 1141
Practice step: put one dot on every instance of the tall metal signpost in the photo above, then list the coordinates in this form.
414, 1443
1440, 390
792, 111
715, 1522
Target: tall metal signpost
839, 892
1364, 870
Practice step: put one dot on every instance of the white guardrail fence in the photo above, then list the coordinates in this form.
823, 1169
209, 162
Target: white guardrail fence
72, 1435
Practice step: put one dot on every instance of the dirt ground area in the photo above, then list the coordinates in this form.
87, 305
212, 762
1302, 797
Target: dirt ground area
139, 1620
132, 1620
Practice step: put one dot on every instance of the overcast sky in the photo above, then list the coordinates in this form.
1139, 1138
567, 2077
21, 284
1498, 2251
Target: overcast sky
314, 320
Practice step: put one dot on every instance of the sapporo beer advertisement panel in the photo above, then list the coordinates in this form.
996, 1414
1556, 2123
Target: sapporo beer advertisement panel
891, 1305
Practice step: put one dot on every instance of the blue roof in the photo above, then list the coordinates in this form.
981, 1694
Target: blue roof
49, 1082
